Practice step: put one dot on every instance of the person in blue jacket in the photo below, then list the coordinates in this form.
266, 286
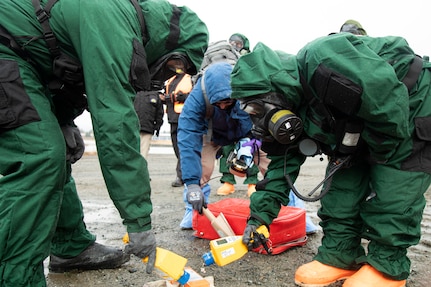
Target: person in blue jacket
204, 128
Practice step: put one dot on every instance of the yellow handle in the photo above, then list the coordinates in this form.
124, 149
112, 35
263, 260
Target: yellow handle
208, 214
263, 230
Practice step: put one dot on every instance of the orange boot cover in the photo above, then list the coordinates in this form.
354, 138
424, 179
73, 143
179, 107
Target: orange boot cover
316, 274
226, 189
251, 189
368, 276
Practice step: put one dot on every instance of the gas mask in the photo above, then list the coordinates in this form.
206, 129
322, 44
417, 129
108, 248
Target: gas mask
167, 67
240, 158
236, 42
272, 119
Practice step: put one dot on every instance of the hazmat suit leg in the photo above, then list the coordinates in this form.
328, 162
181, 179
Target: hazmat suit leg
341, 219
32, 177
251, 177
223, 166
252, 172
71, 235
392, 218
380, 203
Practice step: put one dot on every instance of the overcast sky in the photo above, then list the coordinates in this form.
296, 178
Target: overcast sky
288, 25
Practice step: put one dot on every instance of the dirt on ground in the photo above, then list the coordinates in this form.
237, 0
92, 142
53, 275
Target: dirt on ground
253, 269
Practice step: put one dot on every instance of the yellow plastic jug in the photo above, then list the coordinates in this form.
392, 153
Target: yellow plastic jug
228, 249
171, 264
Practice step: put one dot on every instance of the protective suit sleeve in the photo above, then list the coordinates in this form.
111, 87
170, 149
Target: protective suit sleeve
273, 190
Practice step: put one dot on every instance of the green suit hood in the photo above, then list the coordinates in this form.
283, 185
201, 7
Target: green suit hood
186, 32
244, 40
263, 71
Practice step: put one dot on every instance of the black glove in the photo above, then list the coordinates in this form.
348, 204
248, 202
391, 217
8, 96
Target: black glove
74, 143
247, 238
255, 236
219, 153
143, 244
180, 97
196, 197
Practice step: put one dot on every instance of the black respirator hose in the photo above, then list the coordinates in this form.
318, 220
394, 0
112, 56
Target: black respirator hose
335, 165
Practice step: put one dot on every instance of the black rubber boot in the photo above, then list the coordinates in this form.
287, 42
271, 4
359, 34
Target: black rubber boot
177, 183
96, 256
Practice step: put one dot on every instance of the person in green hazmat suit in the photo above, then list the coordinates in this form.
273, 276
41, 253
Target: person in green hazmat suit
56, 61
366, 103
354, 27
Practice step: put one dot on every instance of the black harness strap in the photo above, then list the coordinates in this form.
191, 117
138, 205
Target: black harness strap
413, 74
317, 106
49, 5
43, 17
7, 40
174, 29
44, 13
141, 20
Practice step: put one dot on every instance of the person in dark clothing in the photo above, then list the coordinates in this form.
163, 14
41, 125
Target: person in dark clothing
177, 89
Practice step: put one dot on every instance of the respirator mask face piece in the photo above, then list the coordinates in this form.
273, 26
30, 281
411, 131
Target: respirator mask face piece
236, 42
272, 118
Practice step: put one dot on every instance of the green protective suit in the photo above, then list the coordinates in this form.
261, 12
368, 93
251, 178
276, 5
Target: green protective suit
36, 187
380, 195
252, 172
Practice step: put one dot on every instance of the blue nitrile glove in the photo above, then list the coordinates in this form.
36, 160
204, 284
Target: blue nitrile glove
74, 143
143, 244
195, 197
255, 144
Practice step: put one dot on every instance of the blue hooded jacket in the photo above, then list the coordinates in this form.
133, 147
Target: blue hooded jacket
228, 126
